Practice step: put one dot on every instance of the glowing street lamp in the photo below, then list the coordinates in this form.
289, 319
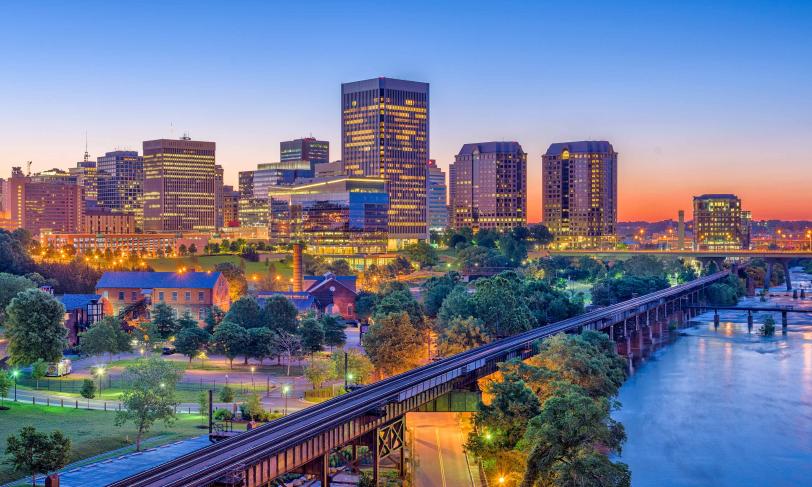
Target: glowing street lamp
252, 376
14, 374
202, 356
501, 480
285, 391
100, 374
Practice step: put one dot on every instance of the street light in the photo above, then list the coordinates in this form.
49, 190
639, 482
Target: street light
252, 377
285, 391
501, 480
14, 375
202, 357
99, 374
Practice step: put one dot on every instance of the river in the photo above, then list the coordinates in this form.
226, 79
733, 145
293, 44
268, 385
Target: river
724, 407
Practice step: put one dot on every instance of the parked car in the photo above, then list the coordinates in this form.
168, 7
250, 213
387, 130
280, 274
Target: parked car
168, 350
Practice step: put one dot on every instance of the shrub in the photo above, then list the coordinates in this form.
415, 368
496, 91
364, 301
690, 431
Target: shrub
223, 414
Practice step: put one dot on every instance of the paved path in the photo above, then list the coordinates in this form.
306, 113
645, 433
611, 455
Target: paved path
440, 457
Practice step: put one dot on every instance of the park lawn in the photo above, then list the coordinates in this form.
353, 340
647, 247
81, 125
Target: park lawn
208, 262
91, 432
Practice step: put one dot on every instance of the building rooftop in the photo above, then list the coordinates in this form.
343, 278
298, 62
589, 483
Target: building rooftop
591, 146
150, 280
77, 301
716, 196
303, 301
491, 147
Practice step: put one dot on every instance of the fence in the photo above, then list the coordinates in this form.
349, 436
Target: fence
114, 381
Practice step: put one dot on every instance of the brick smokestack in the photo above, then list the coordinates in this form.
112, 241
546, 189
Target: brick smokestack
297, 268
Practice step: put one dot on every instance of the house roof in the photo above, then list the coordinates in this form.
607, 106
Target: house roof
303, 301
151, 280
77, 301
318, 281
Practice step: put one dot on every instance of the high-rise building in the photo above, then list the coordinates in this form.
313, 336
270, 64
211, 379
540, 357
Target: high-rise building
330, 170
87, 177
231, 207
437, 205
121, 179
385, 134
341, 216
720, 223
579, 193
307, 149
51, 201
180, 185
489, 182
219, 196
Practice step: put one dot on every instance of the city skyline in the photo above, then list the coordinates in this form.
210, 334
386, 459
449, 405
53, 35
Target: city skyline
717, 106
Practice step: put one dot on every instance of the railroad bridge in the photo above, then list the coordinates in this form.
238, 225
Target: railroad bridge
373, 416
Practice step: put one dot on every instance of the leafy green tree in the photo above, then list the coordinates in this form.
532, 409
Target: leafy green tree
334, 334
498, 303
546, 303
163, 317
358, 365
486, 238
34, 328
768, 328
513, 248
541, 234
237, 284
214, 316
393, 344
614, 290
5, 385
461, 334
88, 390
252, 409
149, 395
279, 314
226, 394
14, 258
105, 336
644, 266
203, 405
261, 344
191, 341
458, 304
231, 340
10, 286
435, 290
339, 267
38, 371
365, 304
186, 320
288, 345
33, 452
478, 256
422, 254
318, 371
245, 312
398, 302
312, 334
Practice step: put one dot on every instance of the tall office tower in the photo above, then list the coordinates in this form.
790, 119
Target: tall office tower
579, 193
720, 223
489, 182
180, 185
121, 179
51, 201
86, 176
385, 133
253, 207
436, 197
231, 206
307, 149
219, 195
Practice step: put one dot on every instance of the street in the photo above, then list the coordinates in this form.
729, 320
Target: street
440, 458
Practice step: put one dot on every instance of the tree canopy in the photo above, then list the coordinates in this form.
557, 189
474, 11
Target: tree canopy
34, 328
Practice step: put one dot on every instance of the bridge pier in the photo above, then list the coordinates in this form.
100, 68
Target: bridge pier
749, 321
716, 318
783, 322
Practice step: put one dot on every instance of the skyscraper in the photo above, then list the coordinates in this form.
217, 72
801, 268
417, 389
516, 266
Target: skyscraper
489, 182
49, 201
180, 185
385, 133
218, 196
436, 197
579, 193
121, 178
231, 206
86, 176
720, 223
307, 149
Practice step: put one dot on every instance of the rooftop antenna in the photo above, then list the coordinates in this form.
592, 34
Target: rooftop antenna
186, 136
172, 130
87, 156
28, 168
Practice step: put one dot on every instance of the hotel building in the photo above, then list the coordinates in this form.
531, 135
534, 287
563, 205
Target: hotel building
489, 182
385, 134
579, 193
180, 185
121, 178
720, 223
437, 205
48, 201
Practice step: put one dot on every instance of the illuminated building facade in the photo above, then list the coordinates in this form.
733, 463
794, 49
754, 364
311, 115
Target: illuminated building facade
579, 193
307, 149
385, 134
121, 178
218, 196
180, 185
720, 223
102, 220
339, 216
48, 201
231, 206
436, 199
144, 243
489, 182
86, 177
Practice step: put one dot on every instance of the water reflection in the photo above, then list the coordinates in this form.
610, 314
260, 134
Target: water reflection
724, 407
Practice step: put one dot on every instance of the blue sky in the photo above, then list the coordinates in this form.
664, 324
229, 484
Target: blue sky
695, 96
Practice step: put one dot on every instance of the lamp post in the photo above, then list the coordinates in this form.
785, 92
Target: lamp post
285, 391
252, 377
346, 373
99, 374
15, 374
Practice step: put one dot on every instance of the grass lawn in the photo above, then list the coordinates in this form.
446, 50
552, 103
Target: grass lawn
91, 432
207, 262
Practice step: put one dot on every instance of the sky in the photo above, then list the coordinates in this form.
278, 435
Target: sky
696, 97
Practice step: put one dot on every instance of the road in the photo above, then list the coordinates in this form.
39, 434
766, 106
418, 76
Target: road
440, 458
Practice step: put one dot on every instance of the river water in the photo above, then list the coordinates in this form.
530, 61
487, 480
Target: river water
724, 407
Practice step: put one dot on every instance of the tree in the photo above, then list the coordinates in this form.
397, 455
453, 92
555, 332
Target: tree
261, 344
88, 390
393, 344
541, 234
191, 341
203, 405
10, 286
499, 305
318, 371
14, 258
644, 266
38, 371
312, 334
334, 335
226, 394
163, 317
105, 336
398, 302
186, 320
237, 284
214, 316
289, 345
435, 290
513, 248
768, 328
182, 249
358, 365
33, 452
279, 313
458, 304
5, 385
365, 303
421, 253
231, 340
461, 334
245, 312
34, 328
252, 409
149, 395
193, 249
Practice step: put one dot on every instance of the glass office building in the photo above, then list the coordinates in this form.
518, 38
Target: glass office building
720, 223
121, 178
341, 216
307, 149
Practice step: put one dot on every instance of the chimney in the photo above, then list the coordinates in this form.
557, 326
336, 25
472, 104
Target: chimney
297, 268
681, 231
